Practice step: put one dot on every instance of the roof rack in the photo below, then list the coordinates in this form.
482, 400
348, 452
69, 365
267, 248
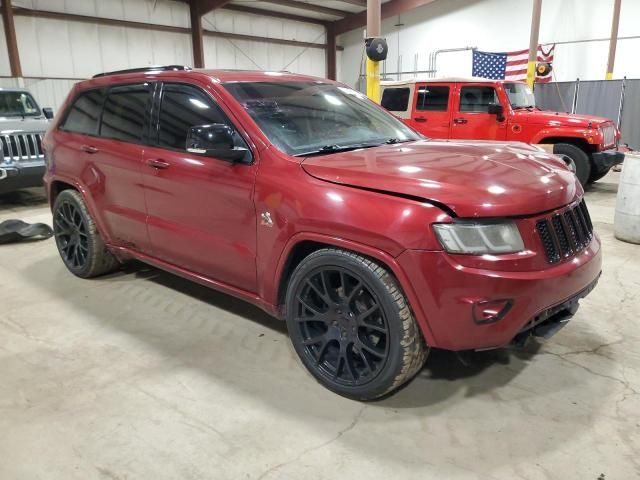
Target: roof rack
153, 68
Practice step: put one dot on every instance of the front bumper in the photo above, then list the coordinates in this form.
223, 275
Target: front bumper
15, 177
448, 292
603, 161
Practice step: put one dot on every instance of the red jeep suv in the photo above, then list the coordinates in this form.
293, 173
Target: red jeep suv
302, 196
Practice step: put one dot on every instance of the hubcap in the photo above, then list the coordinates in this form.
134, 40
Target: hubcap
342, 326
71, 235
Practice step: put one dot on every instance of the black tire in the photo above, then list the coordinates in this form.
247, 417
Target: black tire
80, 245
579, 157
351, 325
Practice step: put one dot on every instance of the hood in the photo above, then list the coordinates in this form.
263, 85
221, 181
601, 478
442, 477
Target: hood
543, 117
9, 125
474, 179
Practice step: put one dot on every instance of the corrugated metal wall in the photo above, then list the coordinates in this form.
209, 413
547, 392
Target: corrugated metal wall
59, 48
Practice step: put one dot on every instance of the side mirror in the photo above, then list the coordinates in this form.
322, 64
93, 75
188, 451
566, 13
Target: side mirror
215, 140
48, 113
495, 109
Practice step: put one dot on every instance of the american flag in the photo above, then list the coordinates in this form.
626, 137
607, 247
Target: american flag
509, 65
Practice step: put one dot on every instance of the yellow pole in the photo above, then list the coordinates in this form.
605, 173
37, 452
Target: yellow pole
533, 42
374, 14
614, 40
373, 80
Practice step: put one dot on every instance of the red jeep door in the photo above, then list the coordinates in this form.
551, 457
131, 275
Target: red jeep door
431, 114
201, 215
471, 117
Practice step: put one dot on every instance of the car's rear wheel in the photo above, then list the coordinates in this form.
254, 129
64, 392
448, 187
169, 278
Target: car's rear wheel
80, 245
351, 325
579, 157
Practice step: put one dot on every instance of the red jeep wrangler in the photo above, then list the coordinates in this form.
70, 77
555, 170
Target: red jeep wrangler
480, 109
301, 196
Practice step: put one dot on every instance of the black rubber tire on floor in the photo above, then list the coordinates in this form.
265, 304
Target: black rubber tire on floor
579, 157
407, 350
99, 260
597, 176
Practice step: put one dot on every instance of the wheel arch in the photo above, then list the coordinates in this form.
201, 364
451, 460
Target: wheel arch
581, 143
303, 244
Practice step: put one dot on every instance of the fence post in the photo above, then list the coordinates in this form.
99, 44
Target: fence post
621, 105
575, 96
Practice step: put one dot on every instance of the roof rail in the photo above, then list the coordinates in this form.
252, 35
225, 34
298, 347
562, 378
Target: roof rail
153, 68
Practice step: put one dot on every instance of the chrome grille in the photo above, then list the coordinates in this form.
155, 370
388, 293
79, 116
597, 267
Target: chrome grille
20, 147
566, 233
609, 134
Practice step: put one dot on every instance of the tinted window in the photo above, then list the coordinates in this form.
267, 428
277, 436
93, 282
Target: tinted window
395, 99
124, 113
477, 99
182, 108
433, 98
84, 113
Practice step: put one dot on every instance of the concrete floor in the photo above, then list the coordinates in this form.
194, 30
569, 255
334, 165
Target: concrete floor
142, 375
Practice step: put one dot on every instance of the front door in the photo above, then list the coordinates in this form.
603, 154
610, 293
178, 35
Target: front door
201, 215
431, 114
471, 117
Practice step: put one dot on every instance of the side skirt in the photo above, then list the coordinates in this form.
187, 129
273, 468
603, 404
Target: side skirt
127, 253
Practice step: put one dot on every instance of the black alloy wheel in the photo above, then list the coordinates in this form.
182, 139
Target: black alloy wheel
351, 325
343, 329
71, 235
80, 245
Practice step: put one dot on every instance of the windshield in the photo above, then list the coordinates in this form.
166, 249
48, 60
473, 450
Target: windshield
304, 118
18, 104
520, 95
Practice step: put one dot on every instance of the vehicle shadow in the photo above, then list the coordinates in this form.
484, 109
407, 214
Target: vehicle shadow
25, 198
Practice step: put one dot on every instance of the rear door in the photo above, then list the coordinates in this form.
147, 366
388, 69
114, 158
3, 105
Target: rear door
431, 113
471, 117
100, 142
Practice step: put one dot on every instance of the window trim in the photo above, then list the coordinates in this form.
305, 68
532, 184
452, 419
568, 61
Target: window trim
154, 132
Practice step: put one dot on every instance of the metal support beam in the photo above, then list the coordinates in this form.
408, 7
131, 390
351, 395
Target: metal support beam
374, 20
389, 9
311, 7
331, 57
205, 6
10, 35
272, 13
197, 42
613, 43
533, 42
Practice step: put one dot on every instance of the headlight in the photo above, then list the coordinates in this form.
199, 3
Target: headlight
479, 238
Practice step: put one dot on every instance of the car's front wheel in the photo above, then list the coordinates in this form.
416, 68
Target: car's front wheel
578, 157
80, 245
351, 325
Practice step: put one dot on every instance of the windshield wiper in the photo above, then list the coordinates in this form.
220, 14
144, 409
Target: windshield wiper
326, 149
394, 140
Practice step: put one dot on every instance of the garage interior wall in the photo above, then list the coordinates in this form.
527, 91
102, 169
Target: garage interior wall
60, 52
498, 26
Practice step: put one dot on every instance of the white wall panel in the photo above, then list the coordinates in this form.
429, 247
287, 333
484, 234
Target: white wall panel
5, 68
47, 92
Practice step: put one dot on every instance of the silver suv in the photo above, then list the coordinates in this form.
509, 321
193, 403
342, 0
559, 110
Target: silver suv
22, 126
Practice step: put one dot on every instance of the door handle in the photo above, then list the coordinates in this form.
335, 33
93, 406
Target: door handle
459, 120
89, 149
420, 119
157, 163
